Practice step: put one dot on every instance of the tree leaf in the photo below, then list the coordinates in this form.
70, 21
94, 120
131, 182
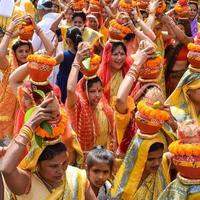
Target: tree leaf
47, 127
39, 140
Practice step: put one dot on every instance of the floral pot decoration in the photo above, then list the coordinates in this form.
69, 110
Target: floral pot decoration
182, 9
161, 8
151, 68
194, 52
78, 5
150, 116
127, 5
186, 150
25, 29
90, 65
95, 6
49, 130
118, 28
40, 67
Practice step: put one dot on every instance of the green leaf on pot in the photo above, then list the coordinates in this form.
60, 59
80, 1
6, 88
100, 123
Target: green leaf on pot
40, 92
39, 140
47, 127
86, 63
29, 113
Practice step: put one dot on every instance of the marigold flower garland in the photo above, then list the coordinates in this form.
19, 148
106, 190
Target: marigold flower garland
127, 5
42, 59
154, 62
120, 30
78, 5
58, 130
151, 112
93, 66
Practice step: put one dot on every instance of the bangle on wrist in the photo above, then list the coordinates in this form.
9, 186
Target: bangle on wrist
27, 132
76, 65
8, 33
19, 142
38, 31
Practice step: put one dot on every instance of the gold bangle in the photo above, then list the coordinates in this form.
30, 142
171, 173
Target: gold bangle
27, 132
130, 74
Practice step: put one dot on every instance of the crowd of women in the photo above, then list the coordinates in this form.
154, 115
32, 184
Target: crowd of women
95, 97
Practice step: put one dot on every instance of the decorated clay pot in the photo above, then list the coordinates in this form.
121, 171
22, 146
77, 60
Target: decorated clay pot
147, 125
188, 169
195, 63
25, 29
26, 36
39, 72
90, 72
149, 72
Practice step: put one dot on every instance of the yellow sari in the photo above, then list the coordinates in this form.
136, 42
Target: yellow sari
182, 106
127, 180
74, 187
181, 189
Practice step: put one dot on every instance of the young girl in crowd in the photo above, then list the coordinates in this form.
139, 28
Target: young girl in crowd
99, 164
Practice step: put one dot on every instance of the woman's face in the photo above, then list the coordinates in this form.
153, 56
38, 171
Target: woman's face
21, 53
118, 58
95, 93
193, 11
52, 171
78, 21
69, 15
93, 23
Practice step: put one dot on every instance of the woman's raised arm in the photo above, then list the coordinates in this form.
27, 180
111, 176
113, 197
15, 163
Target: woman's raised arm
83, 51
142, 54
5, 42
49, 47
18, 180
17, 77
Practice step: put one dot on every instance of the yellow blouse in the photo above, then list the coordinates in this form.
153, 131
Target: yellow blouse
122, 120
115, 82
104, 127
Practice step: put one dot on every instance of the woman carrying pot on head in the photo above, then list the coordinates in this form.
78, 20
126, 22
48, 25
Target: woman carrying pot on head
44, 172
89, 113
17, 56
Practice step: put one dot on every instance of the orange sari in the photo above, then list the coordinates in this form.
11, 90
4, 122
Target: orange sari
8, 100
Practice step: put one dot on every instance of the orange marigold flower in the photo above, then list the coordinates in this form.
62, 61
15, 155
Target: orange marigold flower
58, 130
43, 59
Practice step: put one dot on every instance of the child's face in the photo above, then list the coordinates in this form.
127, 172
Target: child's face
99, 173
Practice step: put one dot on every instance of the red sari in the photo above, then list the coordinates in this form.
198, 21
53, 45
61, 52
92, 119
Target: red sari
83, 119
105, 69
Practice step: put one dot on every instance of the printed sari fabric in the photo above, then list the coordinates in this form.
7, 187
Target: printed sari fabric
182, 107
178, 190
127, 182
